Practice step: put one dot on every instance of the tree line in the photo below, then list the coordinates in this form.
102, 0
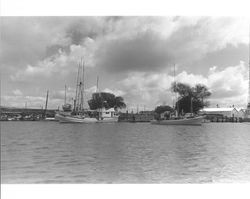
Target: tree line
190, 99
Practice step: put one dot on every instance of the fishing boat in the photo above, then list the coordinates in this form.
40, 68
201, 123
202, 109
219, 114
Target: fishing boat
188, 119
78, 114
196, 121
75, 119
66, 108
105, 115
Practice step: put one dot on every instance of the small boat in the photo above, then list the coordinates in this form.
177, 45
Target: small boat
75, 119
187, 119
108, 120
196, 121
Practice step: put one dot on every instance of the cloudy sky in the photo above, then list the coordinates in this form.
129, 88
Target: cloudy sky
133, 57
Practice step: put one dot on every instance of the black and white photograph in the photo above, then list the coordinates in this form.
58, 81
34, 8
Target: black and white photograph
125, 99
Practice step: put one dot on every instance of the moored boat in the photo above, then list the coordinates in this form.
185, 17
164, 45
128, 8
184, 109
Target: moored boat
187, 119
196, 121
78, 115
108, 120
75, 119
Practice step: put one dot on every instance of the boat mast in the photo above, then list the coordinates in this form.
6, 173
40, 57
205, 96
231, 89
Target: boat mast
82, 92
79, 89
191, 104
97, 81
65, 94
176, 95
46, 103
77, 82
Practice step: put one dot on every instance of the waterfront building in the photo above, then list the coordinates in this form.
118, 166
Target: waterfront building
226, 112
241, 113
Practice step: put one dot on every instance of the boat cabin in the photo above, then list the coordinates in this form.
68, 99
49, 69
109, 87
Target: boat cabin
108, 113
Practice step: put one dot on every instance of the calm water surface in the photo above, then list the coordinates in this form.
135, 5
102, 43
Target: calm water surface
50, 152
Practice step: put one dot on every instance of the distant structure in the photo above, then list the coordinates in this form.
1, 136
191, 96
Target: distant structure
247, 115
226, 112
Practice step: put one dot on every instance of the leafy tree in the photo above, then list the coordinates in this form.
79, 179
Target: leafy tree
106, 100
119, 102
185, 106
182, 89
162, 109
191, 99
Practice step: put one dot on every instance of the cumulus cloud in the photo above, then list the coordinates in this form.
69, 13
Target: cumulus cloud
139, 52
228, 86
157, 43
229, 83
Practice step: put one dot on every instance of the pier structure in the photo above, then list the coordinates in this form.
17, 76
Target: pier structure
24, 114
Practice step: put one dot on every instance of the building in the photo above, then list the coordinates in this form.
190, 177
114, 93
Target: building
226, 112
241, 113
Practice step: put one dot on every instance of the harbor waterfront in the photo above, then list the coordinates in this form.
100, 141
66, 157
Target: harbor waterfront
125, 99
50, 152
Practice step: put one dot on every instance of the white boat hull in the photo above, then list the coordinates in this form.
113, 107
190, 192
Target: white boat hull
186, 121
74, 119
108, 120
50, 119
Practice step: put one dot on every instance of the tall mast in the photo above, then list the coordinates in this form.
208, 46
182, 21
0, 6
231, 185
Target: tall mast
65, 94
46, 103
77, 82
79, 88
176, 94
97, 81
83, 84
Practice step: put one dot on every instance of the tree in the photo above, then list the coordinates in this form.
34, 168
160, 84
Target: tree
201, 91
185, 106
119, 102
106, 100
162, 109
191, 99
182, 89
